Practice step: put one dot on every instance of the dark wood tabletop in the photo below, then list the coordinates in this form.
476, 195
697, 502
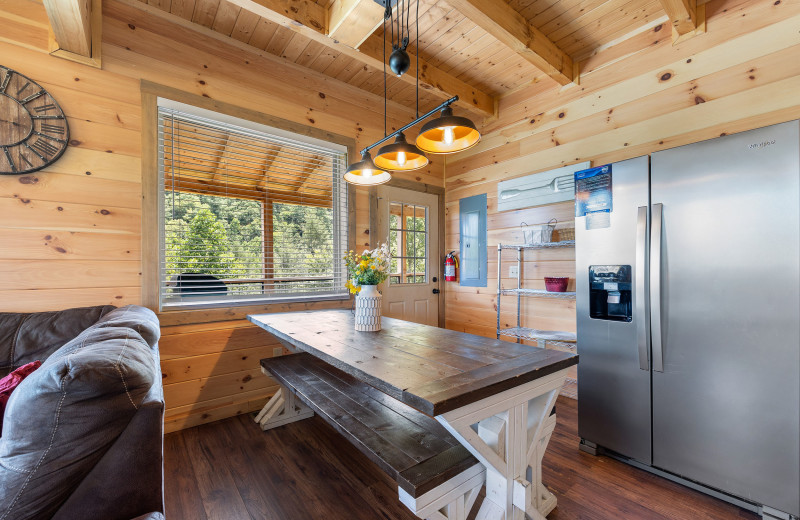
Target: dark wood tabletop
432, 369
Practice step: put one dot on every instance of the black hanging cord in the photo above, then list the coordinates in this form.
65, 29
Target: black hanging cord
400, 27
408, 17
416, 28
389, 12
391, 22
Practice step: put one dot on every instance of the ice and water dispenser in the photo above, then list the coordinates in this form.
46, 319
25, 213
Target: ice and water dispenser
610, 292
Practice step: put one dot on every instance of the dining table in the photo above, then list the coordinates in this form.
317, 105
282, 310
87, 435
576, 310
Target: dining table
497, 398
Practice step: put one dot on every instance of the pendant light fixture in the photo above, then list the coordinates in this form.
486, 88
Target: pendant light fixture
445, 134
448, 134
401, 156
366, 173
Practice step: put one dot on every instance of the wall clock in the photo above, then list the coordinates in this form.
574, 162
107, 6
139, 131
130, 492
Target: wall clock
33, 128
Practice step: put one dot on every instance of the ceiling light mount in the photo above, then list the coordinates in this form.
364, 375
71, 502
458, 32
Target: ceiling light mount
399, 61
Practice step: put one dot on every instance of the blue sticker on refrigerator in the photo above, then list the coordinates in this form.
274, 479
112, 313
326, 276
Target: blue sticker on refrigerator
593, 196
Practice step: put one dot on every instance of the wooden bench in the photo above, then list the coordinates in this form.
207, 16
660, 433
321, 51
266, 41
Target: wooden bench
430, 466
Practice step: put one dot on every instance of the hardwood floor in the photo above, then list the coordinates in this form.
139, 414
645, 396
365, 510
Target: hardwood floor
231, 470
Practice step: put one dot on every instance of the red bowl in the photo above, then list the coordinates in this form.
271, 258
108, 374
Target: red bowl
555, 284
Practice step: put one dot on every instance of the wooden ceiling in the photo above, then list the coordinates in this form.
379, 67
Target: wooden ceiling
479, 61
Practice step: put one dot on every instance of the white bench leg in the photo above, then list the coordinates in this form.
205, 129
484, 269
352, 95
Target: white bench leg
282, 408
451, 500
459, 508
513, 430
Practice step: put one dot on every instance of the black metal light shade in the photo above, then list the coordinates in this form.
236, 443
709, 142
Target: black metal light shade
366, 173
400, 156
448, 134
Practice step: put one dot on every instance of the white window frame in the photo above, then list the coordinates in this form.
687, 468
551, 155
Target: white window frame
340, 205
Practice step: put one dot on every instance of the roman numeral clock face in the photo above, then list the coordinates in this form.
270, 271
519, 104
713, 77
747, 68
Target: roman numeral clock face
33, 129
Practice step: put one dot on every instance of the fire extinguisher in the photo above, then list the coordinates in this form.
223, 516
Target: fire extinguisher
450, 267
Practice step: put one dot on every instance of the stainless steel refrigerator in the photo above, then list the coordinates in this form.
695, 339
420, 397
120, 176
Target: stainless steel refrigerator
688, 306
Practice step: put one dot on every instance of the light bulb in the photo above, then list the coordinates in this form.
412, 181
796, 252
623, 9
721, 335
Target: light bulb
401, 158
449, 135
366, 173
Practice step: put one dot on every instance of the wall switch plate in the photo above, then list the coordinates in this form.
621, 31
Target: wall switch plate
513, 271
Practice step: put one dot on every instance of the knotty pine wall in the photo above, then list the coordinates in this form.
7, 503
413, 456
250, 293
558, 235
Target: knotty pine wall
71, 235
638, 96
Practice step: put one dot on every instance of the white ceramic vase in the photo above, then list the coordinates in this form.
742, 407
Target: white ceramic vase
368, 309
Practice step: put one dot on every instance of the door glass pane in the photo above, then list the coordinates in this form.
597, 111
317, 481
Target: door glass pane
395, 239
408, 243
394, 215
408, 216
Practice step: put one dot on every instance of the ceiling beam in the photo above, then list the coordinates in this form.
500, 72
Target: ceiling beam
272, 154
687, 18
71, 21
305, 12
222, 161
75, 29
311, 22
507, 25
313, 164
207, 186
682, 14
353, 21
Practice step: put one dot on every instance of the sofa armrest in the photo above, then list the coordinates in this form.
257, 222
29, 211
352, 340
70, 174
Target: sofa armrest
128, 479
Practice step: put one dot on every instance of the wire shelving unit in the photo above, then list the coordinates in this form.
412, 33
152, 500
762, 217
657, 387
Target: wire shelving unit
559, 340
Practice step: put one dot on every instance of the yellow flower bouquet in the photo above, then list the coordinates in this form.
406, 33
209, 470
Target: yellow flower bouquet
369, 268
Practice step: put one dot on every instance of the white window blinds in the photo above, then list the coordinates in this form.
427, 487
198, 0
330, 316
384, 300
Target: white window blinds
249, 215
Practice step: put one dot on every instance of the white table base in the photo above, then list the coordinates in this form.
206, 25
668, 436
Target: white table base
508, 433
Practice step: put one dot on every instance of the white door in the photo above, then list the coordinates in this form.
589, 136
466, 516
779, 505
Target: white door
409, 221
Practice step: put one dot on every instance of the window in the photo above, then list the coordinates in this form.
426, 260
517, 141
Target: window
250, 213
408, 239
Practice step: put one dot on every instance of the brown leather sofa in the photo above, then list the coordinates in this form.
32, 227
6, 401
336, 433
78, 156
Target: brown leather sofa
83, 435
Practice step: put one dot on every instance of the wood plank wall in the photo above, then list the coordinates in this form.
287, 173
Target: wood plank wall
60, 249
71, 235
638, 96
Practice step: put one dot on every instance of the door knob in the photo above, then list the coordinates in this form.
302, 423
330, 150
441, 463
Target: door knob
436, 291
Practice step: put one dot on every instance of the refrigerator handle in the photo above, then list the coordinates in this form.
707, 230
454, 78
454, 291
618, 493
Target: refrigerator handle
655, 287
642, 316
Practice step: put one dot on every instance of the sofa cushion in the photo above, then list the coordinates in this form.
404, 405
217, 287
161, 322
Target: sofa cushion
9, 383
25, 337
75, 407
